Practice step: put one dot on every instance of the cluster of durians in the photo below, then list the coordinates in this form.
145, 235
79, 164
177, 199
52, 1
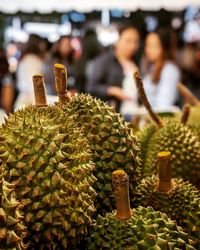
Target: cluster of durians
59, 164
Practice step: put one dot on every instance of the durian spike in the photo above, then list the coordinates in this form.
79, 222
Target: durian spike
141, 92
60, 74
187, 95
39, 90
121, 190
185, 113
164, 171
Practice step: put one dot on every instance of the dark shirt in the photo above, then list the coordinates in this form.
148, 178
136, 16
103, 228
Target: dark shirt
107, 71
49, 75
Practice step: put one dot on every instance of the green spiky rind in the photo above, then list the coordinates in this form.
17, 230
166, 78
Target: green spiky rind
146, 229
113, 145
184, 147
144, 137
48, 158
181, 203
12, 228
194, 120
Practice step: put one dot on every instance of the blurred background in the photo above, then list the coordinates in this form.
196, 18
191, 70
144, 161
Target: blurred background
101, 43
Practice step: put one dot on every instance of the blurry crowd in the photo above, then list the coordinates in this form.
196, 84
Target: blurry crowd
106, 73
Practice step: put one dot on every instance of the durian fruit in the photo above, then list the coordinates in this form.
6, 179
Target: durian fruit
12, 228
168, 135
49, 160
112, 141
140, 228
194, 120
144, 136
178, 199
194, 117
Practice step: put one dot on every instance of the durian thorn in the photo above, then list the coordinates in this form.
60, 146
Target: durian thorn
39, 90
164, 171
121, 190
60, 74
142, 94
185, 113
187, 95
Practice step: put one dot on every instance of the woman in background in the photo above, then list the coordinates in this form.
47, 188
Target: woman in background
112, 75
161, 74
31, 63
62, 53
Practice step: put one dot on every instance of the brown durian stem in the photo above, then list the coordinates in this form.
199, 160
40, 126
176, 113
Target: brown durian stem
121, 190
141, 92
39, 90
164, 171
60, 74
187, 95
185, 113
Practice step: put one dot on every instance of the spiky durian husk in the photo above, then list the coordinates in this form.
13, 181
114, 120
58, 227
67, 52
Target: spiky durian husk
143, 137
113, 144
146, 229
184, 147
50, 162
194, 120
181, 203
12, 229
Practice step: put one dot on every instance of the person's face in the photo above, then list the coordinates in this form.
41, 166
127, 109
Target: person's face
128, 43
64, 47
153, 48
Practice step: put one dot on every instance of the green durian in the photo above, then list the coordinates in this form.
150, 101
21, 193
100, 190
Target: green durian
130, 229
194, 120
12, 228
46, 155
168, 135
112, 141
179, 199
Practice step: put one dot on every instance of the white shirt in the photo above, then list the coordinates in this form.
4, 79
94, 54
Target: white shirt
163, 93
129, 105
28, 66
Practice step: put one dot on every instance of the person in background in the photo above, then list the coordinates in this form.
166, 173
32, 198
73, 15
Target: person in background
191, 71
31, 63
6, 84
91, 48
62, 53
161, 74
112, 76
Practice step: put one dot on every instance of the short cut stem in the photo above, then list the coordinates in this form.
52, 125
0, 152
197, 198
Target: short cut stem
60, 74
141, 92
164, 171
39, 90
121, 190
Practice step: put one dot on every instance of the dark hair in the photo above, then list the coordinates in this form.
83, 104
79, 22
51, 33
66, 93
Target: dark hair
91, 48
57, 54
32, 46
168, 42
122, 29
90, 45
137, 56
4, 69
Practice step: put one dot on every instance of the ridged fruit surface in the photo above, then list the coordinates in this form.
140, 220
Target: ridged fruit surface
146, 229
112, 142
180, 203
49, 160
183, 144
